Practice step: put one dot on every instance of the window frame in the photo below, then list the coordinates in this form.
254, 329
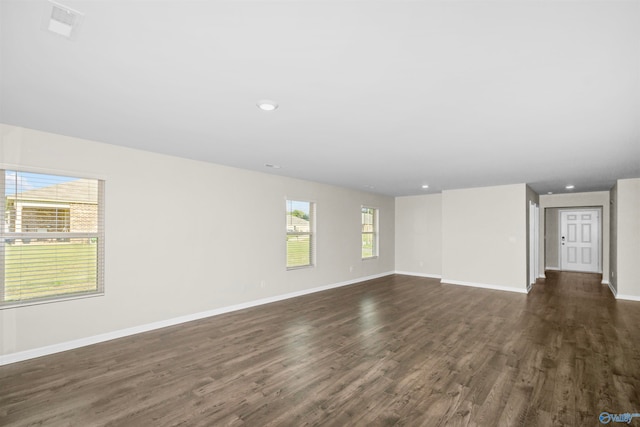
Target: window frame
60, 236
374, 233
311, 233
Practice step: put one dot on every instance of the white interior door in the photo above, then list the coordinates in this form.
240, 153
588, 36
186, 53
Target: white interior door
580, 240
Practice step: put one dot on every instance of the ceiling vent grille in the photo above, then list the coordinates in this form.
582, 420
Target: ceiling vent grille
63, 20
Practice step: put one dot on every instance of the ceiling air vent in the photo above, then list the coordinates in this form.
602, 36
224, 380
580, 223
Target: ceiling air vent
62, 20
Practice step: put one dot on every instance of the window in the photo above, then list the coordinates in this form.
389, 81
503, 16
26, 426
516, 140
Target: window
300, 242
369, 232
52, 238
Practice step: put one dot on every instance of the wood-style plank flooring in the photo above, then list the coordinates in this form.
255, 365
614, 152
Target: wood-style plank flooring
398, 350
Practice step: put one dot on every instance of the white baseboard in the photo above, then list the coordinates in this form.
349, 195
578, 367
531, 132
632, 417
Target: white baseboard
542, 276
410, 273
82, 342
484, 286
628, 297
471, 284
604, 282
620, 296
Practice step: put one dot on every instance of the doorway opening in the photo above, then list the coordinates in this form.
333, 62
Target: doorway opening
573, 239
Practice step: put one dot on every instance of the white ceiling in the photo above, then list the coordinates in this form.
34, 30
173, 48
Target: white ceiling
386, 94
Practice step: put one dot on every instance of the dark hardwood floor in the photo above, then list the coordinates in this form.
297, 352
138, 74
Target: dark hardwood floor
398, 350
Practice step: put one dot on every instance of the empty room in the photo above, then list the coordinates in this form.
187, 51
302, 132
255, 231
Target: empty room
312, 212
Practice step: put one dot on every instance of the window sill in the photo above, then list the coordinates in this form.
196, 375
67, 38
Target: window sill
4, 306
301, 267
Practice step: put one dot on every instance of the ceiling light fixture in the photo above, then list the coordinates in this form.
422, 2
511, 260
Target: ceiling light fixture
272, 166
425, 186
62, 20
267, 105
549, 192
570, 187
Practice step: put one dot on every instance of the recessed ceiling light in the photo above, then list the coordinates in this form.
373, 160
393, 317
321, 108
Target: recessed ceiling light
269, 165
570, 187
549, 192
267, 105
425, 186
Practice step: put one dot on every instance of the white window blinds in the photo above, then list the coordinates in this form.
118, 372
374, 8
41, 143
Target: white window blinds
52, 237
369, 232
300, 239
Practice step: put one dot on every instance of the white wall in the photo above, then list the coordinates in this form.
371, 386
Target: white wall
591, 199
419, 235
551, 239
628, 239
184, 237
484, 237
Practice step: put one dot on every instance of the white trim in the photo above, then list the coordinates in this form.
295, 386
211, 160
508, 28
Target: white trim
582, 271
619, 296
628, 297
542, 276
604, 282
50, 300
613, 290
534, 245
409, 273
572, 271
82, 342
484, 286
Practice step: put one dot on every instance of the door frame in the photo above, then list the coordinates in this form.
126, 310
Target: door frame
534, 242
599, 236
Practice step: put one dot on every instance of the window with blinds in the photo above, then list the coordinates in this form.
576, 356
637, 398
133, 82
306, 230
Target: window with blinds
52, 238
300, 241
369, 232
